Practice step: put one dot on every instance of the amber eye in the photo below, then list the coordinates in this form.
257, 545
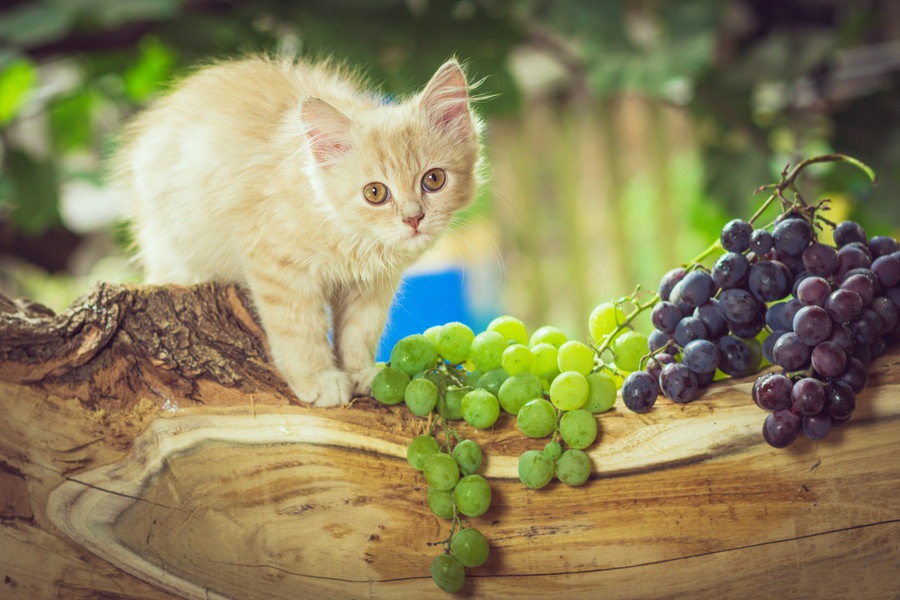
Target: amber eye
434, 180
376, 193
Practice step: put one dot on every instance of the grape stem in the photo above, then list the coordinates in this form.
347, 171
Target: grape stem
638, 309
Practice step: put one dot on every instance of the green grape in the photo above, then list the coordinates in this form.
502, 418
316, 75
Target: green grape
575, 356
441, 471
492, 380
420, 450
535, 469
548, 334
519, 389
573, 467
552, 450
435, 377
448, 573
468, 456
578, 428
454, 341
537, 418
431, 333
441, 503
472, 495
451, 404
472, 378
480, 408
511, 328
629, 348
604, 319
421, 396
486, 349
603, 393
389, 385
544, 365
517, 358
470, 547
413, 354
569, 390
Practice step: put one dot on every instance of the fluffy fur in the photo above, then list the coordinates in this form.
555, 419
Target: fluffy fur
254, 170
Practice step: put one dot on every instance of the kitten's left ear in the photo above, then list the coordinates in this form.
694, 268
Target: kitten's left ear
446, 100
327, 130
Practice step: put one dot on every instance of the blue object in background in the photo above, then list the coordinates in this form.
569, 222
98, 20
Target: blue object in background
425, 299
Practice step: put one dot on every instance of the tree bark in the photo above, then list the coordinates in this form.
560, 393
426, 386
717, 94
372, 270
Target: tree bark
148, 449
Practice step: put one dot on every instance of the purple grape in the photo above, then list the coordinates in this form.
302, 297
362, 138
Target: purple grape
769, 280
877, 347
678, 383
863, 353
790, 353
665, 316
774, 315
760, 241
657, 340
862, 285
735, 236
712, 317
656, 363
689, 329
791, 236
768, 345
808, 396
815, 427
669, 281
781, 428
738, 305
748, 330
812, 325
793, 263
736, 358
730, 270
840, 401
843, 305
854, 375
887, 310
867, 327
694, 289
847, 232
772, 391
842, 335
828, 359
849, 258
790, 310
700, 356
862, 247
813, 291
887, 268
639, 391
820, 259
882, 245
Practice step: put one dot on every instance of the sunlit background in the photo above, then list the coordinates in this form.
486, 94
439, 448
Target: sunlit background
620, 134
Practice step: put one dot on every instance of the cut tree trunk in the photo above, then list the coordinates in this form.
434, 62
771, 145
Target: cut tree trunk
148, 449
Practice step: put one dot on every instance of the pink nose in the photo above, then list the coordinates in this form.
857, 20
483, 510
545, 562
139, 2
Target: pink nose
414, 221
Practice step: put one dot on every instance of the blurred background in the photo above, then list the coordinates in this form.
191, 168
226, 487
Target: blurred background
621, 134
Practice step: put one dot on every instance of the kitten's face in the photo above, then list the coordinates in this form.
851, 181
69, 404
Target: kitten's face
398, 173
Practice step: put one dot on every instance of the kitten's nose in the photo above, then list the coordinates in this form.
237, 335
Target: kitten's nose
414, 221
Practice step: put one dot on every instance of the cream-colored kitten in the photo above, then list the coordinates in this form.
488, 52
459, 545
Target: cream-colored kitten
291, 178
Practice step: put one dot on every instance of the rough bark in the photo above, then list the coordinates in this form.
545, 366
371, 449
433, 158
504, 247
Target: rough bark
148, 449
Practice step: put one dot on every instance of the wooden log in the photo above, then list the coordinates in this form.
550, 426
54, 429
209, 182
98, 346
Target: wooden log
148, 449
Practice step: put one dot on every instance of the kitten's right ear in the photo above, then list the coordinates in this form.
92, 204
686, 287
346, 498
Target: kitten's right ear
327, 130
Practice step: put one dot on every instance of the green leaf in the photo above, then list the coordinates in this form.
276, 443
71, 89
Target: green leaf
72, 120
153, 68
16, 82
32, 192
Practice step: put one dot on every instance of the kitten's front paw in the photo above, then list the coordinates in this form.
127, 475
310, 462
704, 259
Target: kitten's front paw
362, 380
328, 388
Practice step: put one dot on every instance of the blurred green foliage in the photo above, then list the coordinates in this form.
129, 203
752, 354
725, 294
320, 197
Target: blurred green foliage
766, 82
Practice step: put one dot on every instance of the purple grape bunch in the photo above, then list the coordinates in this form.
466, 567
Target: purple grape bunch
824, 313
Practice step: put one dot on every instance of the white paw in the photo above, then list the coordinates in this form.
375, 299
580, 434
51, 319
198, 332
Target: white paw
362, 380
327, 388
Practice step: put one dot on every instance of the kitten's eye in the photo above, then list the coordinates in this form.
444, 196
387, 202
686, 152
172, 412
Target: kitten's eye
434, 180
376, 193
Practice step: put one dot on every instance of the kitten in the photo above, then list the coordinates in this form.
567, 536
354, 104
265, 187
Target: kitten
295, 180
